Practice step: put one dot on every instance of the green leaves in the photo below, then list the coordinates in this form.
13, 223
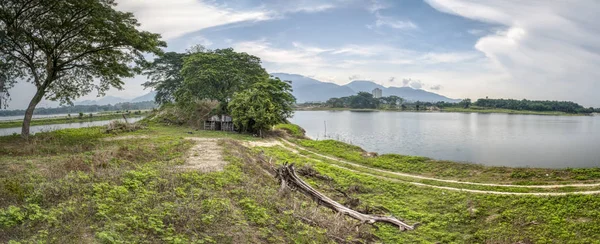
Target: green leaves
69, 48
217, 75
265, 104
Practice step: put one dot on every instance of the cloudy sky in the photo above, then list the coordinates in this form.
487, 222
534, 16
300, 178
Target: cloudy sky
535, 49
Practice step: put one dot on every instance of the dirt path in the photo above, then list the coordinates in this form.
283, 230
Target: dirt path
434, 179
205, 156
288, 144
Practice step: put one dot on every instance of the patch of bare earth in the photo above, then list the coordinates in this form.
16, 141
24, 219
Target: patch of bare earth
270, 143
118, 138
205, 156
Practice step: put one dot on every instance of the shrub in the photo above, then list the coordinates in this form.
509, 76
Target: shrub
291, 129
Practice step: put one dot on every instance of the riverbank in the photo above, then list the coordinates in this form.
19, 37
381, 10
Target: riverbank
72, 119
450, 110
151, 185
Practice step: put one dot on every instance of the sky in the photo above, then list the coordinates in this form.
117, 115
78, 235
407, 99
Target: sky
535, 49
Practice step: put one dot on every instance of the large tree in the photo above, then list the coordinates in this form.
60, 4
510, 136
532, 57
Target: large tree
264, 104
217, 75
165, 76
68, 48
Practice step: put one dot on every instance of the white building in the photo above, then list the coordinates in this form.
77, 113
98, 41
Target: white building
376, 93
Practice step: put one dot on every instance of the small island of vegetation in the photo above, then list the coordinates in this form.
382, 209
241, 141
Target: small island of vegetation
366, 101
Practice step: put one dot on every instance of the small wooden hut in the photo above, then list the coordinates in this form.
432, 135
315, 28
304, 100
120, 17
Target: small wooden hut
216, 122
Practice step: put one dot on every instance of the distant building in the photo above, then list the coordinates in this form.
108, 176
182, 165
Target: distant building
376, 93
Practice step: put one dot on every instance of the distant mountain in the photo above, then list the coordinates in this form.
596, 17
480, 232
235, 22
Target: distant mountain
114, 100
148, 97
364, 86
106, 100
311, 90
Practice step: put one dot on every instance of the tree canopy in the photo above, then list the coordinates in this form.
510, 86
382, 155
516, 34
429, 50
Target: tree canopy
165, 76
69, 48
218, 74
266, 103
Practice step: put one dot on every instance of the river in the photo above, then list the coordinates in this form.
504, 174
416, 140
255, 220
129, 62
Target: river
488, 139
43, 128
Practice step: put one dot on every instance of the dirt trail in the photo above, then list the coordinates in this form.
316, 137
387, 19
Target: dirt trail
435, 179
287, 147
205, 156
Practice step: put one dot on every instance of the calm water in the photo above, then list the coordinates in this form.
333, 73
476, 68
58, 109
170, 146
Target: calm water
39, 116
45, 128
490, 139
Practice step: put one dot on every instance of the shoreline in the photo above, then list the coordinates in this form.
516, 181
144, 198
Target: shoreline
452, 110
67, 120
447, 169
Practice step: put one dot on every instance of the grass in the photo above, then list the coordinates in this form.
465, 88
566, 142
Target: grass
79, 186
75, 186
459, 217
64, 120
451, 170
291, 129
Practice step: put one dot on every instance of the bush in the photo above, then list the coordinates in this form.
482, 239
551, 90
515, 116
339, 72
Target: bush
192, 115
291, 129
118, 126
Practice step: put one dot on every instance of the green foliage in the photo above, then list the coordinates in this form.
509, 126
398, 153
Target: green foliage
165, 76
263, 105
217, 75
291, 129
459, 217
532, 105
193, 114
69, 48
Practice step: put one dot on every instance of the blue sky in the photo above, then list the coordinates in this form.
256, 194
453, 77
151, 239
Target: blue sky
535, 49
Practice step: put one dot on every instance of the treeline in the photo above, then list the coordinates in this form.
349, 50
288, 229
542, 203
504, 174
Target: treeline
84, 109
530, 105
364, 100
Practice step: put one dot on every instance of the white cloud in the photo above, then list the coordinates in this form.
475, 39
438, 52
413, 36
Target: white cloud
377, 5
314, 8
394, 23
548, 49
266, 52
175, 18
450, 57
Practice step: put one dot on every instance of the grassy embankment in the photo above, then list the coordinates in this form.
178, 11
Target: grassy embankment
452, 110
76, 186
73, 119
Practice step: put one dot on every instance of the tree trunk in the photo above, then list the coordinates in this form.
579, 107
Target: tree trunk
29, 112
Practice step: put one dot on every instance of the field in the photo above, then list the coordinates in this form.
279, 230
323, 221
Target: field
85, 185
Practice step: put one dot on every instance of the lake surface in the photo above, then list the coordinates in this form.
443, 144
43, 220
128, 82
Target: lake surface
40, 116
489, 139
44, 128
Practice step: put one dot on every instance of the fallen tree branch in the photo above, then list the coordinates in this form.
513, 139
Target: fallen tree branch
287, 177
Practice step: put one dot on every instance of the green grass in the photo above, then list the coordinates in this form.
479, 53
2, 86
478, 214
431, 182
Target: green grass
459, 217
63, 120
291, 129
451, 170
75, 186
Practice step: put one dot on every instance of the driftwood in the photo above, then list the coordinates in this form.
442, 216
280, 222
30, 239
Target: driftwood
288, 178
